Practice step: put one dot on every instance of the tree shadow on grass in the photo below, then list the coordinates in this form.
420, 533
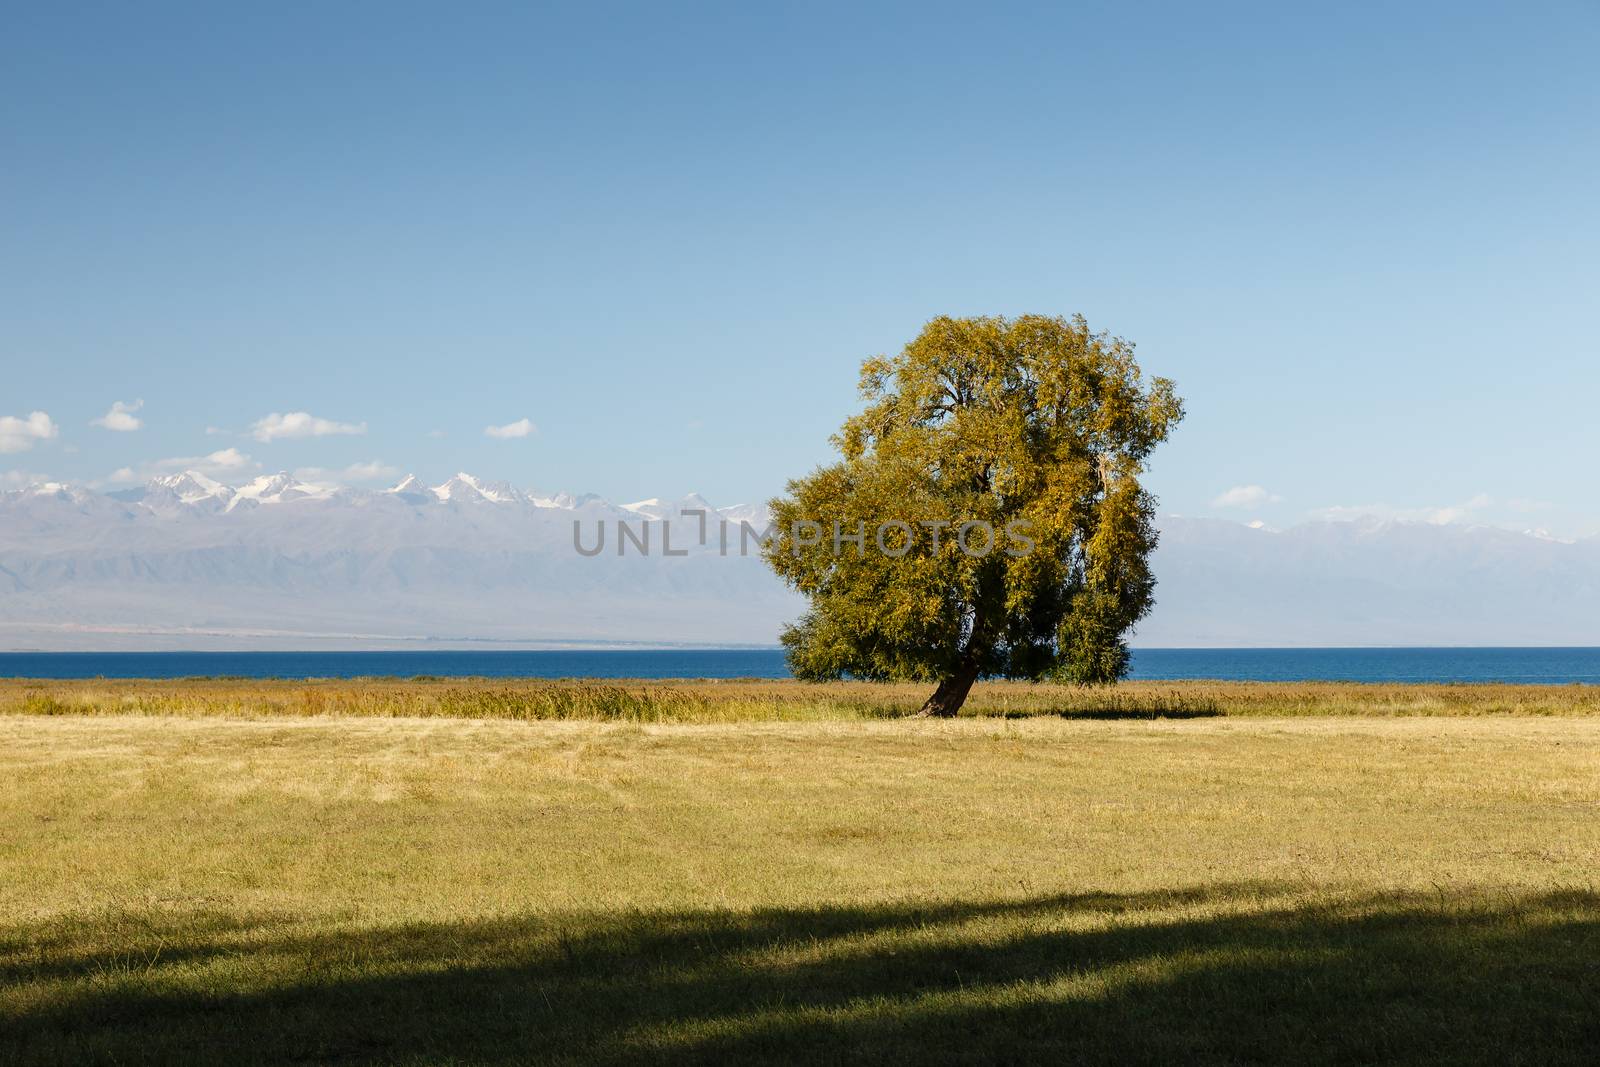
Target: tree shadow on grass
1120, 714
1226, 974
1114, 706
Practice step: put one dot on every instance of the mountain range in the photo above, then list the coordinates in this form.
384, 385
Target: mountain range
185, 561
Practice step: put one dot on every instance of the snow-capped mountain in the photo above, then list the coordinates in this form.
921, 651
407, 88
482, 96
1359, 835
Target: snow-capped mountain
656, 508
185, 561
1370, 582
466, 488
276, 489
411, 490
190, 486
189, 489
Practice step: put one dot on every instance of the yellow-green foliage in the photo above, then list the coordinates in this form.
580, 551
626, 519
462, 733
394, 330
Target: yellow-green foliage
1034, 428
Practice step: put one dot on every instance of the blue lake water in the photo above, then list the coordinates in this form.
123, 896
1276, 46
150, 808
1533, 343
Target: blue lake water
1552, 666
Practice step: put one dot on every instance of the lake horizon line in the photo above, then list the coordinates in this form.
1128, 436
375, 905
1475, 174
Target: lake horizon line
1419, 664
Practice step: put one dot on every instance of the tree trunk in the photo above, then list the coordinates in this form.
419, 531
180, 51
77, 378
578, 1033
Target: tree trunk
952, 692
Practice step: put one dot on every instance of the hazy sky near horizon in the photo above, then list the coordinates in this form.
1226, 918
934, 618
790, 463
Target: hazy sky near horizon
650, 245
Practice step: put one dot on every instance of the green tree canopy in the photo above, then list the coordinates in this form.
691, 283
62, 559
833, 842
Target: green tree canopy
1029, 433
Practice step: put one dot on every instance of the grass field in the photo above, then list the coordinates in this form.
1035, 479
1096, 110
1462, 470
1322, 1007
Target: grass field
756, 701
384, 872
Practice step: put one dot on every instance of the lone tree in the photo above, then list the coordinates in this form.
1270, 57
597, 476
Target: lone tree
1025, 436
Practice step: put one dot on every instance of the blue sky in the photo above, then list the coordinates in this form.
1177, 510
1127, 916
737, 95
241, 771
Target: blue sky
1363, 239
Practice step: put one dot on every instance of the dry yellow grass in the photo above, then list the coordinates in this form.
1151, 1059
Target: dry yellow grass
752, 701
224, 888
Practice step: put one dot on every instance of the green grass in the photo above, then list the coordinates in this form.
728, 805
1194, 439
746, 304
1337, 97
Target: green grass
318, 885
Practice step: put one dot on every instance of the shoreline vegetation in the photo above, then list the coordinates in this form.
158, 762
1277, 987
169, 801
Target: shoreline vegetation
762, 700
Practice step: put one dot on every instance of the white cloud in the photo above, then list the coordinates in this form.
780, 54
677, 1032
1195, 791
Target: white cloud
121, 417
1347, 512
220, 465
300, 424
21, 479
1457, 512
19, 435
1245, 496
436, 433
520, 428
370, 471
1438, 515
